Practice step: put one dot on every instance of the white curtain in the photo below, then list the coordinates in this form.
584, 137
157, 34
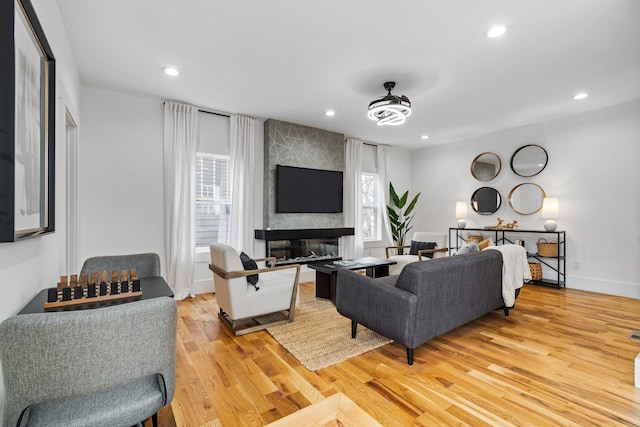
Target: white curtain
383, 193
352, 246
242, 167
180, 142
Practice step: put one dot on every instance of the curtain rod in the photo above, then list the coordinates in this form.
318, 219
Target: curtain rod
200, 110
211, 112
368, 143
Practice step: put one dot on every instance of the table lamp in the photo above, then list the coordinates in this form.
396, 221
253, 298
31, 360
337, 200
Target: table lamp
461, 214
550, 210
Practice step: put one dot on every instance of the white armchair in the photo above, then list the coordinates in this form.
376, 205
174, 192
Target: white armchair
275, 293
441, 249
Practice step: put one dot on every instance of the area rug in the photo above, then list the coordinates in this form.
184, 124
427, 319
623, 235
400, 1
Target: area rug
319, 336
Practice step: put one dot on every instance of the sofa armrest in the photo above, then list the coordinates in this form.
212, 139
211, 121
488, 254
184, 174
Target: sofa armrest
383, 308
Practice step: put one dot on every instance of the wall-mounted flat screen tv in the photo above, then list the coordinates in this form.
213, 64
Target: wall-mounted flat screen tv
302, 190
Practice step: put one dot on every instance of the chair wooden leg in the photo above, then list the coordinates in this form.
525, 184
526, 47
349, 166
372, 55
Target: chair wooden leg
154, 419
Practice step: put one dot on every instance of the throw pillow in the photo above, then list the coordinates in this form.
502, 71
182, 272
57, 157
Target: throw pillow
250, 264
468, 248
418, 246
485, 243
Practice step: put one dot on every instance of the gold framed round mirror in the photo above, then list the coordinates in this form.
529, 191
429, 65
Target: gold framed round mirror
486, 166
526, 199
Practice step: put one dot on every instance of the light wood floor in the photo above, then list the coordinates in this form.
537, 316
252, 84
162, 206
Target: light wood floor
563, 357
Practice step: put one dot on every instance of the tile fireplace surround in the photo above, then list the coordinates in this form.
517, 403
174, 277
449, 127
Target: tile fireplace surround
303, 246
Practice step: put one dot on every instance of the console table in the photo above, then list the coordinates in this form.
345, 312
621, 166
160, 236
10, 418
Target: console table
557, 264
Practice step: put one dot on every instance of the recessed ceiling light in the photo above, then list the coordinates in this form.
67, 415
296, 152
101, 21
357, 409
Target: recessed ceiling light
330, 113
496, 31
424, 137
581, 95
170, 71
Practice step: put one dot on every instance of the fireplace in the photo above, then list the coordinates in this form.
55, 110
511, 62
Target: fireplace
303, 246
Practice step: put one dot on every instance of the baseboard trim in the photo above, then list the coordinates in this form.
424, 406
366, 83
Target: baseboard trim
621, 289
204, 286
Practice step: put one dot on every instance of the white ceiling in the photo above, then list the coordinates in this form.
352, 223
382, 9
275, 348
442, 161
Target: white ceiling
291, 60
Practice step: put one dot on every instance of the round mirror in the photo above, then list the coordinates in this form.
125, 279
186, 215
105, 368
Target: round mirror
486, 166
486, 200
529, 160
526, 199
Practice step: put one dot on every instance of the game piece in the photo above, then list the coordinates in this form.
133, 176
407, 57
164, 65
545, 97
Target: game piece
84, 279
134, 278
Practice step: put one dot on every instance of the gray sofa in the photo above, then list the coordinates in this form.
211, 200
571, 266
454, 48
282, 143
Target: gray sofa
426, 300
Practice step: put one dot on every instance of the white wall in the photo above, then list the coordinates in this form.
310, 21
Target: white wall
27, 267
592, 170
120, 188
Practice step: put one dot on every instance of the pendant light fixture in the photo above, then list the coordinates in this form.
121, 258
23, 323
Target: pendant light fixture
390, 110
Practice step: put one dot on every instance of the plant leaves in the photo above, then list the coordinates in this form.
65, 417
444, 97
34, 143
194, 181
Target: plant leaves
403, 200
393, 195
411, 205
392, 213
399, 221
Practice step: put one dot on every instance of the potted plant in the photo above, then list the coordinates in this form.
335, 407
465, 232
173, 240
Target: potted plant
400, 217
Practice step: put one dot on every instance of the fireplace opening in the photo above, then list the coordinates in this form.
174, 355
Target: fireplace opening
302, 251
303, 246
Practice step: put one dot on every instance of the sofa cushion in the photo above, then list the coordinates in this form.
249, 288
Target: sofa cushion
250, 264
418, 246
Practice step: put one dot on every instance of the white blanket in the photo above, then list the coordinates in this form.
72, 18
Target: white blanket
515, 270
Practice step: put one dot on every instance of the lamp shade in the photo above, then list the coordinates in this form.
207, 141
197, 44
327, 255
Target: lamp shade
461, 210
550, 208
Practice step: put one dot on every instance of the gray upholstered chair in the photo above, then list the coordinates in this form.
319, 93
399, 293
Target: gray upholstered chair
146, 264
112, 366
241, 302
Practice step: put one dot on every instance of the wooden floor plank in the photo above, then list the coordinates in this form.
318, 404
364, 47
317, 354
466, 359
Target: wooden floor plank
562, 357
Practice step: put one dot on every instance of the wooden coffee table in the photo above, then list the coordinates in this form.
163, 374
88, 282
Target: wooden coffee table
327, 273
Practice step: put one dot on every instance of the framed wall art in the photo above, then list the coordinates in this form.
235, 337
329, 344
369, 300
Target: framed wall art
27, 124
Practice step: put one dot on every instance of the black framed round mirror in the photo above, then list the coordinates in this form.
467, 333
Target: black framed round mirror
486, 166
526, 199
529, 160
486, 200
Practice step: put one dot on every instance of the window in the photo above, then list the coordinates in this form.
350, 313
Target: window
213, 199
370, 213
